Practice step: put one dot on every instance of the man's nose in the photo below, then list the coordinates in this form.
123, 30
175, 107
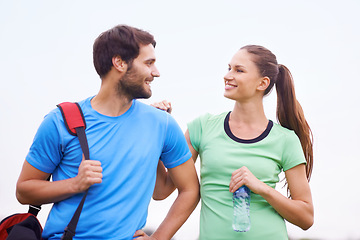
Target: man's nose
155, 72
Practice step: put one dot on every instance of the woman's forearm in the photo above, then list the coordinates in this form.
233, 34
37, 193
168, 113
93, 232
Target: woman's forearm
298, 212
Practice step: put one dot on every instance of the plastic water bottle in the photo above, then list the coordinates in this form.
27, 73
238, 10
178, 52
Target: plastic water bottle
241, 201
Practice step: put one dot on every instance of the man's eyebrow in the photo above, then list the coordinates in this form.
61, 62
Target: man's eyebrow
150, 60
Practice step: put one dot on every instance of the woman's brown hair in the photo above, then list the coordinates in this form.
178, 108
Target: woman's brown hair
289, 112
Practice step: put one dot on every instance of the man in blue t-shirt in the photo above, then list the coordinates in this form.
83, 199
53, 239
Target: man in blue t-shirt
126, 140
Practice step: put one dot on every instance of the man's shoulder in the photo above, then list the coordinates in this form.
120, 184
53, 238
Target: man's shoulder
53, 116
85, 103
144, 108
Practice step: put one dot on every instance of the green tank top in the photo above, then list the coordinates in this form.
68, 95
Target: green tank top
221, 153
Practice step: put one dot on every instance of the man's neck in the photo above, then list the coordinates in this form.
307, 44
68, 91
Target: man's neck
109, 103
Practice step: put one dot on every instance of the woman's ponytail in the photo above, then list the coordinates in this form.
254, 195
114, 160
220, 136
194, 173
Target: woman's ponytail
290, 114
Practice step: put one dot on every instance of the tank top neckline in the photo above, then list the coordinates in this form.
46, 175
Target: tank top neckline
254, 140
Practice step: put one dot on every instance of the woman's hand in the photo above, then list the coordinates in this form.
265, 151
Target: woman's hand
163, 105
297, 210
243, 176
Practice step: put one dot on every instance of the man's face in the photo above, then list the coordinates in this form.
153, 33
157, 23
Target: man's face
136, 81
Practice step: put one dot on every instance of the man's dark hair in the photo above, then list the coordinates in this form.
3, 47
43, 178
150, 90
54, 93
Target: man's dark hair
121, 40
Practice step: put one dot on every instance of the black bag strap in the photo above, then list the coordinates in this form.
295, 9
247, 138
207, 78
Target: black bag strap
34, 210
75, 123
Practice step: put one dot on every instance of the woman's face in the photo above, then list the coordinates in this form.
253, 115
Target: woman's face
242, 79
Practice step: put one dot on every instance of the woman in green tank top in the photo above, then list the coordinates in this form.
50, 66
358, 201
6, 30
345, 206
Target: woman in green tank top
242, 147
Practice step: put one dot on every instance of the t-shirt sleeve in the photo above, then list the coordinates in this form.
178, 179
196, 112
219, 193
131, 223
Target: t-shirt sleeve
195, 129
45, 152
293, 154
176, 150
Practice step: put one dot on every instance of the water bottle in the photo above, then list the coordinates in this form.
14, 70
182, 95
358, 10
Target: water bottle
241, 201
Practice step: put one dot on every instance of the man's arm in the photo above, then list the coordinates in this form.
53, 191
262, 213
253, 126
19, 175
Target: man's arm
164, 185
185, 179
33, 188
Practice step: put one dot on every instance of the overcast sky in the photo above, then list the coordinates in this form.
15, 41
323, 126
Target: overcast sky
46, 58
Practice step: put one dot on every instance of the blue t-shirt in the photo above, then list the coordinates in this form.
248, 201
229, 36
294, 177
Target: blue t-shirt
129, 148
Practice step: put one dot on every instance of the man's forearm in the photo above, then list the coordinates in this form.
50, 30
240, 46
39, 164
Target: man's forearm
39, 192
179, 212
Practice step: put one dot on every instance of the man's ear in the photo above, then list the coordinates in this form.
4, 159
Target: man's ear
264, 83
119, 64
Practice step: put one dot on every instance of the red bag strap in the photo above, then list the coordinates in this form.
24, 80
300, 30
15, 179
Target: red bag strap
73, 116
75, 124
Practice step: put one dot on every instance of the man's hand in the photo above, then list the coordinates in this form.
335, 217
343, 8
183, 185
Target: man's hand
32, 187
141, 235
90, 172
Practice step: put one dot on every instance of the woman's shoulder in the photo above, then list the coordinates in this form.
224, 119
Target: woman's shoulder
210, 117
208, 121
283, 132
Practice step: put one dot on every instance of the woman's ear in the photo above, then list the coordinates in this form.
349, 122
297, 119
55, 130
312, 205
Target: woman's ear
264, 83
119, 64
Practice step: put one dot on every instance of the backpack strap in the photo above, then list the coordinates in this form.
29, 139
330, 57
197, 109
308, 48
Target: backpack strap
75, 123
72, 115
34, 210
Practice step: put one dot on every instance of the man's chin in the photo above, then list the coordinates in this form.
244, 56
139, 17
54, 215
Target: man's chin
144, 96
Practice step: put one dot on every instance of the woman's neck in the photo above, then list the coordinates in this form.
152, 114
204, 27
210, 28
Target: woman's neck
248, 120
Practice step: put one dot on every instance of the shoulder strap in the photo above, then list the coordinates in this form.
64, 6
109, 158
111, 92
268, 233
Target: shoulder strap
75, 123
73, 116
34, 209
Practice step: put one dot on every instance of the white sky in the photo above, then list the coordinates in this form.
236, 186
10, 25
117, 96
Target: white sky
46, 58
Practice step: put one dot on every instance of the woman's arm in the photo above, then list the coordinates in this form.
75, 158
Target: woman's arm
164, 186
298, 209
194, 153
